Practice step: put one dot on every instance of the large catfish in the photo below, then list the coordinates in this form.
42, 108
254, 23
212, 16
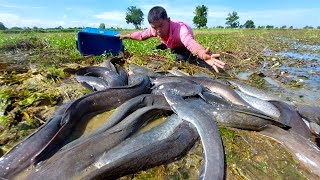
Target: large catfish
98, 101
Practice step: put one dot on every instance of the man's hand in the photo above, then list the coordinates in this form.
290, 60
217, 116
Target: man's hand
212, 60
126, 36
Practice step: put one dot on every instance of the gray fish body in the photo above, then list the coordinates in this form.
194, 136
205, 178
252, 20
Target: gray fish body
68, 163
291, 117
201, 74
123, 75
178, 88
134, 104
315, 128
208, 132
94, 102
133, 144
157, 81
20, 156
215, 100
62, 108
123, 111
130, 106
252, 91
92, 83
112, 77
306, 152
311, 113
108, 64
142, 70
234, 115
262, 105
162, 144
221, 89
176, 72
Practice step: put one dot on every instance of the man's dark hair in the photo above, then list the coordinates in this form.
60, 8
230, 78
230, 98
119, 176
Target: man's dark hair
156, 13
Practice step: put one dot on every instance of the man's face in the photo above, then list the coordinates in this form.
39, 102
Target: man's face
161, 27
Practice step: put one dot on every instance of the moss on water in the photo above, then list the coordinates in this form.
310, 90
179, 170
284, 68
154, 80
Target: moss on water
256, 79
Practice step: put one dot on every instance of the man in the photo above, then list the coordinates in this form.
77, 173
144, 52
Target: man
175, 35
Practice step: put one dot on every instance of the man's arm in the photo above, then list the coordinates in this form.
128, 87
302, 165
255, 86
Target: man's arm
197, 49
140, 35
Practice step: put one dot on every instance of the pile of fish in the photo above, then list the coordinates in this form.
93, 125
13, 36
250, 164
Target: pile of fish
194, 107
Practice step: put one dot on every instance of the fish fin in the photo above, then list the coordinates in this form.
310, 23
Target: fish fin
87, 86
202, 97
47, 149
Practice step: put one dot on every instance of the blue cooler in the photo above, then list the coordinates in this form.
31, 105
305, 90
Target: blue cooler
95, 41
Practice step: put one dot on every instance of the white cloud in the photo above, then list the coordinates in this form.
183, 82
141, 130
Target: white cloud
113, 19
21, 6
298, 17
279, 17
217, 15
112, 16
96, 25
12, 20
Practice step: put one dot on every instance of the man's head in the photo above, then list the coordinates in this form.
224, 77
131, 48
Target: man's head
159, 21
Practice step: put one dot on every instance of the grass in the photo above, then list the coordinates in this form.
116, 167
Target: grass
241, 49
27, 99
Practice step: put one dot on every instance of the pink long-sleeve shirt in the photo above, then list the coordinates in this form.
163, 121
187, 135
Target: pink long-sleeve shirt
180, 35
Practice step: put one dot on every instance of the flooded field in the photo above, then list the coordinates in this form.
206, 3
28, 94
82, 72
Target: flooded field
282, 62
293, 74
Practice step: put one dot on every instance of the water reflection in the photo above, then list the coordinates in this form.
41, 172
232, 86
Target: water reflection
293, 66
296, 55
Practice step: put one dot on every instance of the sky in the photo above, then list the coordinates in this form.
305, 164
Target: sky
90, 13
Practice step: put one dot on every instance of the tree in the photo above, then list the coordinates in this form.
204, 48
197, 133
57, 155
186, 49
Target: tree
249, 24
200, 19
232, 20
102, 26
59, 27
283, 27
134, 15
269, 27
16, 28
308, 27
2, 27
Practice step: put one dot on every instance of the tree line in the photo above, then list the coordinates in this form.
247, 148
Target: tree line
56, 29
135, 15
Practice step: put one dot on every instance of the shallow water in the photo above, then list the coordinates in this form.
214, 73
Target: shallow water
296, 55
17, 63
88, 126
308, 94
306, 46
299, 65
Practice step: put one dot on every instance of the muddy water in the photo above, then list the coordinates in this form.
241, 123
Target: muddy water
95, 122
17, 63
293, 75
87, 125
